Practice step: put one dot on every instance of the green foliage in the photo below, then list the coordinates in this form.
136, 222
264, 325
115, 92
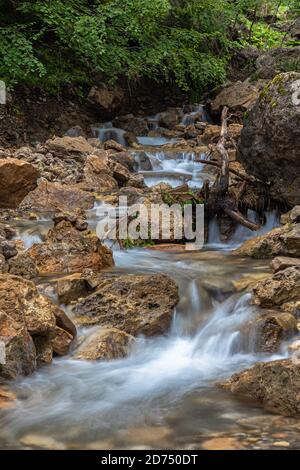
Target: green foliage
55, 43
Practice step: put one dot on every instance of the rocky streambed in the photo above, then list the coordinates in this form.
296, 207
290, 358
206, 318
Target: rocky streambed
144, 345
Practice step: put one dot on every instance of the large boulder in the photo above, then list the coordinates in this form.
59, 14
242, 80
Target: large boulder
68, 250
282, 241
105, 344
17, 179
274, 385
269, 146
56, 197
141, 304
28, 322
237, 97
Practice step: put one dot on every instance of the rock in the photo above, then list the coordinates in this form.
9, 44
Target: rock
25, 316
104, 344
282, 241
130, 139
44, 350
61, 341
249, 281
221, 443
64, 322
125, 159
132, 124
268, 65
281, 262
75, 131
8, 249
275, 385
68, 250
269, 141
113, 145
271, 328
23, 265
97, 174
140, 304
211, 133
66, 146
120, 173
170, 118
36, 441
283, 287
7, 398
70, 288
237, 97
105, 98
291, 217
17, 179
56, 197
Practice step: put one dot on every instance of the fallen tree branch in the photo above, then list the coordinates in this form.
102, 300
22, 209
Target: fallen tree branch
243, 177
238, 217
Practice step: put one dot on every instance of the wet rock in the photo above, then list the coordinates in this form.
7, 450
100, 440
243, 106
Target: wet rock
269, 141
170, 118
17, 179
281, 288
291, 217
61, 341
56, 197
64, 322
281, 262
70, 288
64, 146
275, 385
273, 327
249, 281
120, 173
70, 251
105, 344
237, 97
135, 304
283, 241
105, 98
130, 138
7, 398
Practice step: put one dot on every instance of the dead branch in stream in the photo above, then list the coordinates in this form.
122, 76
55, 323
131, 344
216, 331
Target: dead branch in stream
219, 199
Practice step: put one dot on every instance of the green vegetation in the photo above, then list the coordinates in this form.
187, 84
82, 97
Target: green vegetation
52, 44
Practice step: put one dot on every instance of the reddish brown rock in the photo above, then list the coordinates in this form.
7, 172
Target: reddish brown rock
56, 197
17, 179
105, 344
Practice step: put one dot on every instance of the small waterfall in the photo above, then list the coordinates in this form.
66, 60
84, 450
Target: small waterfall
241, 233
198, 114
109, 132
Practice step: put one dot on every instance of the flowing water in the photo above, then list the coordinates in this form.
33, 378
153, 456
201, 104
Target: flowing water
164, 394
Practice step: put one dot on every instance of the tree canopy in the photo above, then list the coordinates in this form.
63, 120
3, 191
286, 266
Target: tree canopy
55, 43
